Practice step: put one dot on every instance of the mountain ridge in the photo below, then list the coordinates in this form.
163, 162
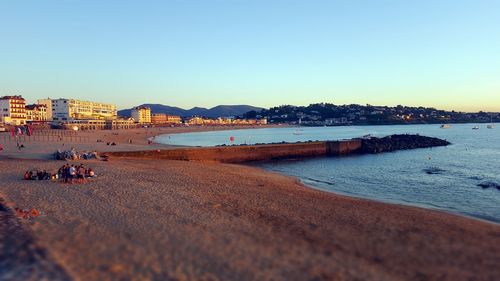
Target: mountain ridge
216, 111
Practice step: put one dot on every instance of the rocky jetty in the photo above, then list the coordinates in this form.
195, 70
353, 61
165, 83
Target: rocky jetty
399, 142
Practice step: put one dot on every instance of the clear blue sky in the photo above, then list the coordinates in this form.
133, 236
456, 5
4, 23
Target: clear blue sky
441, 53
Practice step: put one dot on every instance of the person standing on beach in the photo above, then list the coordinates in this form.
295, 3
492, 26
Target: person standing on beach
81, 173
65, 172
72, 173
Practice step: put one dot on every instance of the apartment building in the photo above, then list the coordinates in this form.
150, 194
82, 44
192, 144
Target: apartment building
36, 113
161, 118
71, 109
48, 104
141, 114
13, 110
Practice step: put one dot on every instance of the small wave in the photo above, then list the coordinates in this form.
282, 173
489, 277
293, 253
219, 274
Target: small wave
320, 181
477, 178
434, 170
489, 184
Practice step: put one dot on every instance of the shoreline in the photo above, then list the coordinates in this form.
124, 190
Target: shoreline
229, 221
391, 202
142, 135
188, 220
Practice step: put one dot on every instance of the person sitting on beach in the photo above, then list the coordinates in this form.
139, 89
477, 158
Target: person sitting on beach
46, 176
91, 173
27, 175
39, 175
60, 171
80, 174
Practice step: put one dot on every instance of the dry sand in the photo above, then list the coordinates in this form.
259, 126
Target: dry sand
176, 220
41, 148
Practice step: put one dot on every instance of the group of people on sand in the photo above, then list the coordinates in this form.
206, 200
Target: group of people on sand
107, 143
37, 175
68, 173
75, 173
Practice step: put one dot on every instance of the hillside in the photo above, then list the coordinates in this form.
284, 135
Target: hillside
217, 111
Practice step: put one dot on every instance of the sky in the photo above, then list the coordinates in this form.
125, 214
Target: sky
186, 53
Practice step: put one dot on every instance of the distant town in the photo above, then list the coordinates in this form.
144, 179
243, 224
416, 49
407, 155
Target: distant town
73, 114
326, 114
76, 114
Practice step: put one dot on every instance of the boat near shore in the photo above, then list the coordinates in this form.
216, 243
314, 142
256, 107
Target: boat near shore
445, 126
491, 125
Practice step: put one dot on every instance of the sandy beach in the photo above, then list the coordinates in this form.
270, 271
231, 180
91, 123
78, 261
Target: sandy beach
126, 140
178, 220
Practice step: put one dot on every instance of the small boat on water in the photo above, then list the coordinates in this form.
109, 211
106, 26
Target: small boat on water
298, 130
445, 126
475, 128
491, 125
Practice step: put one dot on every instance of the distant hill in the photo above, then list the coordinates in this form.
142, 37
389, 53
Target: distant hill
217, 111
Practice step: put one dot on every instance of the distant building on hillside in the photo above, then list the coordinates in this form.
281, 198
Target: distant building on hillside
195, 121
71, 109
222, 121
13, 110
162, 118
36, 113
141, 114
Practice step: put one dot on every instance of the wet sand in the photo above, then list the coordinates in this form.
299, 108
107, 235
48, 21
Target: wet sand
178, 220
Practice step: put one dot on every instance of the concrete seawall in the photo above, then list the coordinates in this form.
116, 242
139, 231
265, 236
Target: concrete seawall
239, 154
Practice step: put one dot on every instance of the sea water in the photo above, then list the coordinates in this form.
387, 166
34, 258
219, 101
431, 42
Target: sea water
442, 178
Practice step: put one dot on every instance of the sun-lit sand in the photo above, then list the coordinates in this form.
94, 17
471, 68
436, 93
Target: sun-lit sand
176, 220
126, 140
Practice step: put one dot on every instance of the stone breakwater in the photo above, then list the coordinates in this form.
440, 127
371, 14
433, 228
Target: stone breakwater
265, 152
247, 153
399, 142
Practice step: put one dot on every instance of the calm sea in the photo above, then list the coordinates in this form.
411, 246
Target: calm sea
443, 178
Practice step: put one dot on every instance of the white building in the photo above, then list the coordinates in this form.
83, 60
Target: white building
71, 109
141, 114
13, 110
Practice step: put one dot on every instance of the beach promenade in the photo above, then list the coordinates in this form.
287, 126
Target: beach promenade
143, 219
